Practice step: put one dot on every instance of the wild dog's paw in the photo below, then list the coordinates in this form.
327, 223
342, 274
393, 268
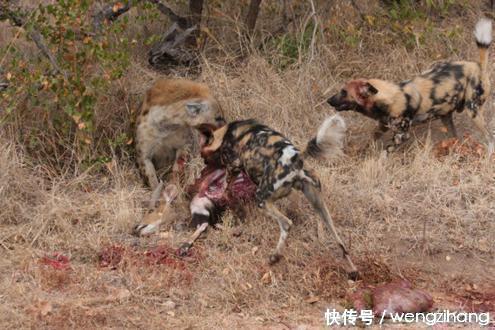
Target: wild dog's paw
274, 258
184, 249
144, 229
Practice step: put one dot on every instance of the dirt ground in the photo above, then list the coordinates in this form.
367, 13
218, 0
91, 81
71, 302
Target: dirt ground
70, 261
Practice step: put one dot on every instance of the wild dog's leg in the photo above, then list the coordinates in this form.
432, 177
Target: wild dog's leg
150, 172
480, 122
380, 130
313, 194
185, 247
400, 127
448, 122
284, 223
201, 211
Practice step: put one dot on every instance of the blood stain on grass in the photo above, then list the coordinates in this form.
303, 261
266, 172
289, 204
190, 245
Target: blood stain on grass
55, 271
56, 261
111, 256
163, 255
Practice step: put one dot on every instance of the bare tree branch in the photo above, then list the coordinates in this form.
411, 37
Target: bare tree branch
165, 9
18, 18
39, 41
112, 11
196, 10
252, 16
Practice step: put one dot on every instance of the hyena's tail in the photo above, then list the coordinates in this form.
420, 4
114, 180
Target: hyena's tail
483, 35
329, 139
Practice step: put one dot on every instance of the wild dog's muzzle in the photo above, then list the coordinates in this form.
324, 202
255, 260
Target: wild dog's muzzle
340, 105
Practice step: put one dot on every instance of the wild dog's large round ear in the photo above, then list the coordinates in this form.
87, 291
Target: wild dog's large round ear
371, 89
215, 141
367, 89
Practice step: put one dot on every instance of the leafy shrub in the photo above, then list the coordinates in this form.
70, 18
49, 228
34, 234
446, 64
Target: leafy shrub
54, 109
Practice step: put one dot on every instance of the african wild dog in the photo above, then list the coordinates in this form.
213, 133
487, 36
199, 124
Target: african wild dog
437, 93
170, 109
276, 166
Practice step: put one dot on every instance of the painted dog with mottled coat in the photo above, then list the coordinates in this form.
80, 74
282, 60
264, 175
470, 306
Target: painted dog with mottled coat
437, 93
276, 167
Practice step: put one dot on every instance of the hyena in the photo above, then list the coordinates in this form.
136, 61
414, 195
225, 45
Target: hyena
276, 167
170, 110
437, 93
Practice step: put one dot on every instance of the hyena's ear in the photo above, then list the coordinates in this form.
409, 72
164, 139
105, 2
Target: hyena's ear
170, 193
195, 108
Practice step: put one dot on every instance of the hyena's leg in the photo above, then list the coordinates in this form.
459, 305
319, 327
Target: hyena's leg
179, 163
150, 172
313, 194
480, 122
155, 195
448, 122
284, 223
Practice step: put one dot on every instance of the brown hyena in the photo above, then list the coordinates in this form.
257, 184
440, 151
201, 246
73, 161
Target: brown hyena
447, 87
170, 109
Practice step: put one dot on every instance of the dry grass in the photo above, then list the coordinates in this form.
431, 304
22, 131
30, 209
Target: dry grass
411, 215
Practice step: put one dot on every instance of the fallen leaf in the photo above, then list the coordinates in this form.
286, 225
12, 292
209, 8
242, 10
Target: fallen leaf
312, 299
117, 6
45, 308
267, 278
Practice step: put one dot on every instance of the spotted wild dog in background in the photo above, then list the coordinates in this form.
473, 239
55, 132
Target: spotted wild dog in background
170, 109
437, 93
276, 167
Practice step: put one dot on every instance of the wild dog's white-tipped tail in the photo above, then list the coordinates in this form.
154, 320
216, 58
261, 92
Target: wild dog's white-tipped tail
483, 32
329, 140
483, 35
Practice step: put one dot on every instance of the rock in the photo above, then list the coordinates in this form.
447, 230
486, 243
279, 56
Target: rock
169, 304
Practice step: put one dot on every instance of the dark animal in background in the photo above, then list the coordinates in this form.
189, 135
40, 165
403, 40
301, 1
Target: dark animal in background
276, 166
447, 87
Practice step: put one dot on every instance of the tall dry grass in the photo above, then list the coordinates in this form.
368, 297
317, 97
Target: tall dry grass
412, 215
